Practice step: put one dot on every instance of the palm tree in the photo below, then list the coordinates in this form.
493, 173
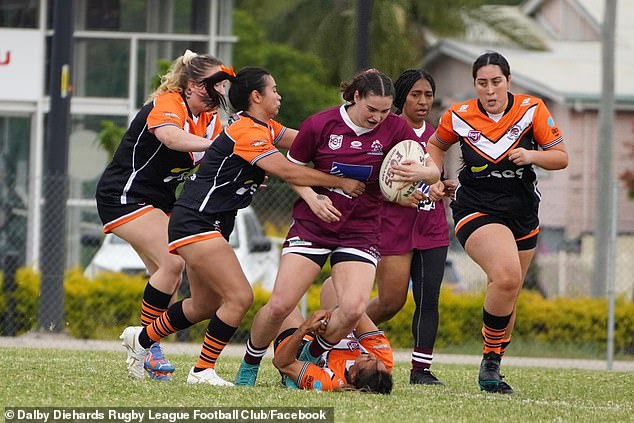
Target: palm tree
397, 31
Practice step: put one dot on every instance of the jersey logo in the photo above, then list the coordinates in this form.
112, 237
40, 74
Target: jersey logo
353, 345
297, 241
474, 136
525, 102
463, 108
514, 132
258, 143
335, 142
356, 145
376, 148
359, 172
478, 169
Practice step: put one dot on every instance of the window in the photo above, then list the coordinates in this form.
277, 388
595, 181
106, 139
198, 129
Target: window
18, 13
15, 134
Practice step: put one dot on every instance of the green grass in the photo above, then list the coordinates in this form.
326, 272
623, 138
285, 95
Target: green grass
32, 377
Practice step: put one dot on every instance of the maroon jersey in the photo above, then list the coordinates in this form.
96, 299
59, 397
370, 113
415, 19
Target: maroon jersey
335, 145
403, 228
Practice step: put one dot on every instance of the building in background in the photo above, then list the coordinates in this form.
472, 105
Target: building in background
117, 47
554, 48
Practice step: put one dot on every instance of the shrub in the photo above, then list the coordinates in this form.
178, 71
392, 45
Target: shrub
102, 307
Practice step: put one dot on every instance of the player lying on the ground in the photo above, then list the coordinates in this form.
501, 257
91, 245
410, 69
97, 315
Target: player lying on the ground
362, 361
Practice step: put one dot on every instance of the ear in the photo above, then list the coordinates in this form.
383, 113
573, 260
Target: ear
356, 97
256, 97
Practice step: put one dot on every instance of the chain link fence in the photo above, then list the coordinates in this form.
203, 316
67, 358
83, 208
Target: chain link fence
27, 303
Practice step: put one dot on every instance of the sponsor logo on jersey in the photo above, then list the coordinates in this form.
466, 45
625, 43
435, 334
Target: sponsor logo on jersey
525, 102
297, 242
376, 148
514, 132
463, 108
359, 172
171, 115
501, 174
248, 188
478, 169
356, 145
258, 143
335, 142
551, 121
474, 136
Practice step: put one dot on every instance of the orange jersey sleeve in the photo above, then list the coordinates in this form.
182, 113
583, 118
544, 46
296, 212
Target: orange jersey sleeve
277, 130
378, 344
313, 377
169, 109
252, 141
444, 130
545, 129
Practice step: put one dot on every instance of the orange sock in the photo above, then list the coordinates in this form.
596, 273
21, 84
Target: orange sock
216, 338
492, 340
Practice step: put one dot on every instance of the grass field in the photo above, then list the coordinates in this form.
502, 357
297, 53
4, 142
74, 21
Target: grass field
32, 377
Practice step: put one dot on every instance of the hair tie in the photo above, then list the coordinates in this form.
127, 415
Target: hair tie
228, 70
188, 56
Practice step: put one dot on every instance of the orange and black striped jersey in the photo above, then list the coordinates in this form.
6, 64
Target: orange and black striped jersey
144, 170
334, 373
489, 181
228, 176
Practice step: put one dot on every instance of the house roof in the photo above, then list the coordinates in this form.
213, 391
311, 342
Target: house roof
566, 71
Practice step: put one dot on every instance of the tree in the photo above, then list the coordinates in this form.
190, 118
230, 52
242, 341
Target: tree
397, 30
299, 76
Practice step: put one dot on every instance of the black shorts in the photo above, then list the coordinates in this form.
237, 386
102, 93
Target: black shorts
319, 251
287, 334
525, 228
187, 226
113, 215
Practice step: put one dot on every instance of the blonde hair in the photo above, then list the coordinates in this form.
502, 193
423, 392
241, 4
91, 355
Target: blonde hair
189, 66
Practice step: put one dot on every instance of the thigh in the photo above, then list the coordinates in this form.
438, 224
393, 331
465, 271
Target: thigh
392, 276
147, 234
214, 267
493, 248
295, 274
353, 281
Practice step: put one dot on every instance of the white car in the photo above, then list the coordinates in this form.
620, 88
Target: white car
258, 255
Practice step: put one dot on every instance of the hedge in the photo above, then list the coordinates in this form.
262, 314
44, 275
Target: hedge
100, 308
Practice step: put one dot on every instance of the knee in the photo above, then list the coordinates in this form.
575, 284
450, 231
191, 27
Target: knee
278, 309
391, 305
243, 301
351, 312
173, 264
508, 281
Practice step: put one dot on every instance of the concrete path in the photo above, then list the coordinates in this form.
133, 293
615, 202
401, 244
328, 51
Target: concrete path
65, 342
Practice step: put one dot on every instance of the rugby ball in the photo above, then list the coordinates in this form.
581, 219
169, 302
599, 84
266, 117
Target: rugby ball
404, 150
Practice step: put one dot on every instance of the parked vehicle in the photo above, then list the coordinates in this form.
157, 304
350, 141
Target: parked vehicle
258, 254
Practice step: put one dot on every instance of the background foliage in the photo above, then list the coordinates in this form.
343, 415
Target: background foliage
102, 307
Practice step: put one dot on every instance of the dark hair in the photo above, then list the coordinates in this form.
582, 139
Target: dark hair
406, 81
188, 67
373, 381
246, 81
492, 58
368, 82
215, 98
